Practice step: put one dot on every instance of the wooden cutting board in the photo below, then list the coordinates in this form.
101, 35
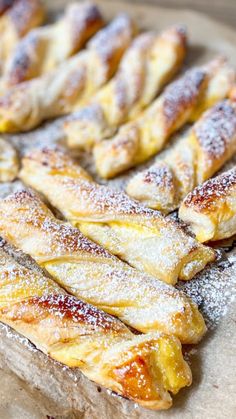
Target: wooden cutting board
35, 387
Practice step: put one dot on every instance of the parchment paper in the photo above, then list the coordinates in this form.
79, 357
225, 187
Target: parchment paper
35, 387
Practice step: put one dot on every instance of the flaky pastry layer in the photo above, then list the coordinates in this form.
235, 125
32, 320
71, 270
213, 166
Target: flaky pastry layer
181, 102
18, 19
46, 47
140, 236
150, 62
94, 275
143, 368
71, 84
194, 158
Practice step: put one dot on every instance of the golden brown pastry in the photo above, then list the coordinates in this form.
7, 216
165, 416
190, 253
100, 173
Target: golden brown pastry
46, 47
195, 157
94, 275
210, 209
5, 4
143, 368
140, 236
232, 94
68, 86
9, 163
148, 64
20, 18
180, 102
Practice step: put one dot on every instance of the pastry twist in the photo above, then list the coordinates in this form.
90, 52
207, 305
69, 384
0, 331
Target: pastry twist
182, 101
193, 159
62, 90
148, 64
210, 209
9, 163
143, 368
20, 18
138, 235
89, 272
46, 47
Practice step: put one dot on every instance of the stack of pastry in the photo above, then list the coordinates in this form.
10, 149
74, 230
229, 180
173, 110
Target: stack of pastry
106, 302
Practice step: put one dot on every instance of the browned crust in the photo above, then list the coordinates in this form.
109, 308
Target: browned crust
82, 20
159, 175
85, 23
182, 94
65, 308
22, 60
25, 14
5, 4
113, 37
206, 196
216, 129
61, 237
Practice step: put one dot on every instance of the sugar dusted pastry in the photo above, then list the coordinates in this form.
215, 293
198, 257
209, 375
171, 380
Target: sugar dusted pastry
9, 163
194, 158
143, 368
140, 236
148, 64
232, 94
46, 47
19, 18
71, 84
210, 209
94, 275
181, 102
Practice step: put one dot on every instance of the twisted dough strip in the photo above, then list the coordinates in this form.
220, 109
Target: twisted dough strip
138, 235
143, 368
9, 163
148, 64
211, 208
62, 90
193, 159
182, 101
20, 18
92, 274
46, 47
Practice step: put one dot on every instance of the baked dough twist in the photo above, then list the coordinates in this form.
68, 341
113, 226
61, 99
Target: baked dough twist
148, 64
140, 236
210, 209
143, 368
92, 274
182, 101
46, 47
68, 86
20, 18
194, 158
9, 163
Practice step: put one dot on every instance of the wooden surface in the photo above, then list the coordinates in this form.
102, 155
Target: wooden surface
222, 10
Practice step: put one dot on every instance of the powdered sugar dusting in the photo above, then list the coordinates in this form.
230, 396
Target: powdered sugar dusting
213, 290
217, 129
207, 195
57, 237
182, 94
